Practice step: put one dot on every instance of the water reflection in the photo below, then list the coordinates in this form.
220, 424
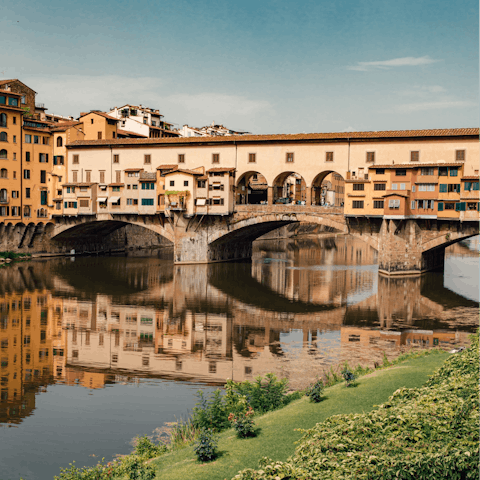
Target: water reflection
298, 307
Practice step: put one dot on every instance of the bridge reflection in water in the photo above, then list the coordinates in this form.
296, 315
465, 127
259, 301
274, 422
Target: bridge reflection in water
299, 307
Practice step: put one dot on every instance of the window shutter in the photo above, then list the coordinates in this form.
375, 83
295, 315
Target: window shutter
65, 204
440, 206
74, 204
443, 187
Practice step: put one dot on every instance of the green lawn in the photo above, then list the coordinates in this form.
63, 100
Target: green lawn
277, 435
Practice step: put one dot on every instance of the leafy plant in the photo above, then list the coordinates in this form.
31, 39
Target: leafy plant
210, 413
144, 447
206, 446
243, 423
135, 469
348, 376
315, 390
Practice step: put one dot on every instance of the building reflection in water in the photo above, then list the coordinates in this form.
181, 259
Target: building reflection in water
298, 308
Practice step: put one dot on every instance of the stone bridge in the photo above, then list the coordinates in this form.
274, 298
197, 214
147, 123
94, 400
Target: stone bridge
405, 246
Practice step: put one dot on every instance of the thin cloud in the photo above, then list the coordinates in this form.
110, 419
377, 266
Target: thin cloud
393, 63
439, 105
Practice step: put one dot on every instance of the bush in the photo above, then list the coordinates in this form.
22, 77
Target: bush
314, 391
349, 377
135, 469
210, 413
418, 434
243, 423
145, 448
206, 446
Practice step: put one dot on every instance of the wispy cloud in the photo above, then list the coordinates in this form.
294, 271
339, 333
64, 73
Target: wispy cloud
437, 105
393, 63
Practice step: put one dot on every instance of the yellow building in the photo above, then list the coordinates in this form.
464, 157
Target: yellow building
10, 156
98, 125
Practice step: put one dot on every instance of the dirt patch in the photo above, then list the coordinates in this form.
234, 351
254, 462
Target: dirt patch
374, 374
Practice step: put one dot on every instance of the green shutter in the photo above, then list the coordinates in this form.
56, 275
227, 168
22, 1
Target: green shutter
468, 186
440, 206
443, 188
74, 204
476, 185
65, 204
460, 206
453, 172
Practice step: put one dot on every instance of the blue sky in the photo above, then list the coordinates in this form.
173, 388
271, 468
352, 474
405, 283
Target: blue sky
262, 66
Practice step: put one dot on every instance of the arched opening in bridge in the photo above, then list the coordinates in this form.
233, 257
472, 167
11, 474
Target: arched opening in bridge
252, 189
328, 189
290, 188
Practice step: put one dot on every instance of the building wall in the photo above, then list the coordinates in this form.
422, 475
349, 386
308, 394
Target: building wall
94, 124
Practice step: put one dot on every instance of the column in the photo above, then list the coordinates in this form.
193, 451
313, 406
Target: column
270, 195
308, 192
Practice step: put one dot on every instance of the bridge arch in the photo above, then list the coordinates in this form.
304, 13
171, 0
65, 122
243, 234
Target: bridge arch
328, 187
251, 189
289, 185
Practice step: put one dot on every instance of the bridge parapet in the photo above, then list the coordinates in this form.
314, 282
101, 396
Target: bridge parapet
266, 209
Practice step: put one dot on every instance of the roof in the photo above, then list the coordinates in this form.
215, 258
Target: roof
321, 137
11, 80
183, 170
133, 169
168, 167
116, 185
102, 114
418, 165
395, 194
148, 176
62, 126
471, 177
221, 170
130, 134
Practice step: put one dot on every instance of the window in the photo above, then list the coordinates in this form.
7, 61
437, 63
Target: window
460, 206
147, 201
26, 174
380, 171
116, 159
401, 172
453, 172
43, 176
84, 203
402, 186
371, 159
88, 176
329, 156
148, 186
181, 158
460, 155
379, 186
3, 100
427, 171
215, 158
3, 173
46, 141
443, 171
43, 157
43, 197
172, 183
449, 206
102, 176
185, 183
24, 99
394, 186
358, 186
118, 176
14, 120
252, 158
3, 153
59, 142
36, 139
26, 211
14, 139
290, 157
394, 203
115, 189
412, 205
378, 204
58, 160
414, 156
201, 184
99, 135
75, 159
443, 188
470, 206
218, 201
357, 204
75, 176
27, 193
425, 187
3, 137
147, 159
13, 102
134, 187
453, 187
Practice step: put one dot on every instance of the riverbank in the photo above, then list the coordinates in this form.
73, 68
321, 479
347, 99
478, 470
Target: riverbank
279, 429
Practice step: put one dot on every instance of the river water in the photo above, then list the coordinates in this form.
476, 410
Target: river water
97, 350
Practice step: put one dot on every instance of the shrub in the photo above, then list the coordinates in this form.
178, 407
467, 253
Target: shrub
210, 413
314, 391
145, 448
243, 423
183, 432
206, 446
348, 376
135, 469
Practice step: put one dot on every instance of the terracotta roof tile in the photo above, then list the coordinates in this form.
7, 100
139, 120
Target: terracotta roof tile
471, 177
221, 170
9, 92
167, 167
334, 136
418, 165
133, 169
130, 134
81, 184
102, 114
148, 176
116, 185
183, 170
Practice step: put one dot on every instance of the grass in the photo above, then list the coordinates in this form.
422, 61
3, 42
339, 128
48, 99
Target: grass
277, 429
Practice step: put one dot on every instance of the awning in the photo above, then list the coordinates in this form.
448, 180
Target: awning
113, 199
101, 199
201, 201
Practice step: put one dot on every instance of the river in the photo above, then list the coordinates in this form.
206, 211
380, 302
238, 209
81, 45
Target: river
97, 350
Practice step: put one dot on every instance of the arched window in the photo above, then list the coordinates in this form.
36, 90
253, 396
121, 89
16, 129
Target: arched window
3, 195
3, 173
3, 153
3, 119
26, 211
3, 137
59, 142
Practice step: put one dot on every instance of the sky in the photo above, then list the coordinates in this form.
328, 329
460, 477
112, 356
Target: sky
261, 66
